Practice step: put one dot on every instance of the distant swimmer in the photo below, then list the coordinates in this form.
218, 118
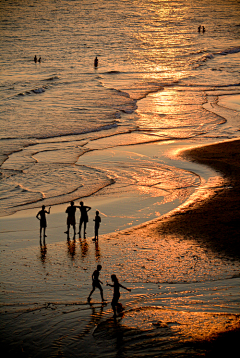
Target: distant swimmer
71, 210
41, 215
96, 62
35, 59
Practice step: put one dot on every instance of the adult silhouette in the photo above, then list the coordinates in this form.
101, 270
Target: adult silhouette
71, 220
83, 218
41, 215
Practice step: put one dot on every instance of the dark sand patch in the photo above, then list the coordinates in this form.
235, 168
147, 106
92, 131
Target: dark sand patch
214, 222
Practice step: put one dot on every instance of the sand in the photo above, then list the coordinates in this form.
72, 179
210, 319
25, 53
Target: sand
183, 270
214, 222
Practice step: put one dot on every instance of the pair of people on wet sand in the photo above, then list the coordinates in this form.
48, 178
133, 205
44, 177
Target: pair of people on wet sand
71, 221
96, 283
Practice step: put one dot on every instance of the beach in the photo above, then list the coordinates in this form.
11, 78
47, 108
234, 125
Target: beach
198, 220
184, 284
149, 138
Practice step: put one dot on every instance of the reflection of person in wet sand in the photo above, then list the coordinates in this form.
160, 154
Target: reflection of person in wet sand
96, 283
97, 224
41, 215
71, 210
84, 218
116, 293
84, 247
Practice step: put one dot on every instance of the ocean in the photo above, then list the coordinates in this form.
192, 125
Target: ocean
155, 78
106, 135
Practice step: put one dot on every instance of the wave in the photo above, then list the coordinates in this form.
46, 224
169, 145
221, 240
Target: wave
210, 56
35, 90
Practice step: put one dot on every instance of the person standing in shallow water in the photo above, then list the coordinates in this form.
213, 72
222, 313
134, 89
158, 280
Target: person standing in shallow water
83, 218
97, 224
116, 293
96, 62
41, 215
71, 210
96, 283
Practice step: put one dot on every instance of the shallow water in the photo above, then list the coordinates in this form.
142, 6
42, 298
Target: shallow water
180, 294
155, 74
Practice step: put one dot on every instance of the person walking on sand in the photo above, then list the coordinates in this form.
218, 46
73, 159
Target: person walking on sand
41, 215
83, 218
97, 224
96, 283
71, 210
116, 292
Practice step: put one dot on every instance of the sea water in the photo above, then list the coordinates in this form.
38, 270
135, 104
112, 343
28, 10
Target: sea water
71, 131
155, 73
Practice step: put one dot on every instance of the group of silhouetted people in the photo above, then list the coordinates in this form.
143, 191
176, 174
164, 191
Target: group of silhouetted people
71, 220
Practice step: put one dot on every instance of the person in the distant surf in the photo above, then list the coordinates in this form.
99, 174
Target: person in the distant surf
83, 218
96, 62
35, 59
97, 224
199, 28
41, 215
116, 293
71, 210
96, 283
203, 29
39, 60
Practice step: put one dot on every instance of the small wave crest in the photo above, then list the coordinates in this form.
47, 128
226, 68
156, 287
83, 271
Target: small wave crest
210, 56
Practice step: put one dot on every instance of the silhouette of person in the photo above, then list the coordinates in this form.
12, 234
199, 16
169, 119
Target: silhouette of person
96, 283
116, 293
199, 28
35, 59
71, 210
97, 224
203, 29
41, 215
84, 217
39, 60
96, 62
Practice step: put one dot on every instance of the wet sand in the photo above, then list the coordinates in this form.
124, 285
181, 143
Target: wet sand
185, 290
215, 221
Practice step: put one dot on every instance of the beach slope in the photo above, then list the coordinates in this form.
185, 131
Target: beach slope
214, 222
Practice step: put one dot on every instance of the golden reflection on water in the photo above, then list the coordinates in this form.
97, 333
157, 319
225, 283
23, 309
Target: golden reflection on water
187, 325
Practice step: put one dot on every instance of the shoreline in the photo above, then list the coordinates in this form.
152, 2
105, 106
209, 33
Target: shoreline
214, 221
